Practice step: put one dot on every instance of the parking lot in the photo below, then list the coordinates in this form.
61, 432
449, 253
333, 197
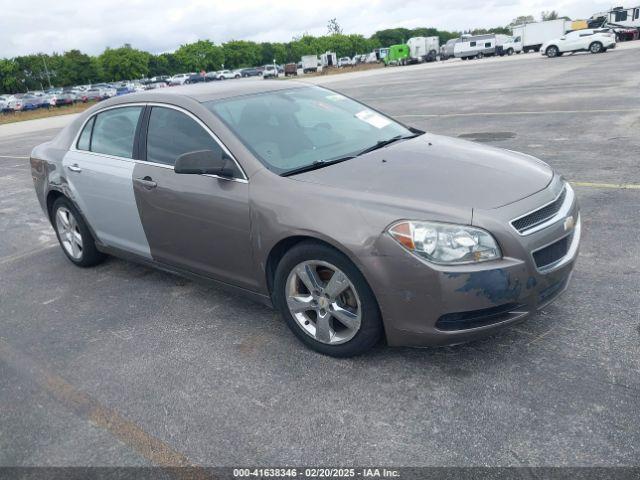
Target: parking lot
124, 365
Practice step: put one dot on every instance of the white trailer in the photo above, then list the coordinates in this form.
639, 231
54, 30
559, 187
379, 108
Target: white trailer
329, 59
533, 35
423, 49
475, 46
309, 63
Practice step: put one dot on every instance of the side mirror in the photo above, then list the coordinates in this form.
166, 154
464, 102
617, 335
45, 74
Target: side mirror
563, 38
204, 162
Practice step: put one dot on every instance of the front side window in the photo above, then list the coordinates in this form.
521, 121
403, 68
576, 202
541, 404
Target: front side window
114, 131
294, 128
172, 133
621, 16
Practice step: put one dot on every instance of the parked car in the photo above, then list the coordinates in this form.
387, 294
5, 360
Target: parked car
344, 62
32, 102
588, 40
250, 72
351, 224
270, 71
64, 98
195, 78
4, 102
95, 94
227, 75
160, 78
179, 78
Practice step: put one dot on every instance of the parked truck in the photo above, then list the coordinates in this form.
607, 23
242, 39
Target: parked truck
423, 49
533, 35
309, 63
398, 55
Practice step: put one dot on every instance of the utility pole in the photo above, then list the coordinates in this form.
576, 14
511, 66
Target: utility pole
46, 70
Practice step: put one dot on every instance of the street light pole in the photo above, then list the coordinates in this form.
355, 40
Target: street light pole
46, 70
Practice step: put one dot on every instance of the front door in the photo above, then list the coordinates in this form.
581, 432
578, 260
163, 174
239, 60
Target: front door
192, 221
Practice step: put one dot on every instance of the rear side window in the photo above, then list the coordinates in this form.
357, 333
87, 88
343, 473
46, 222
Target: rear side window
172, 133
84, 142
472, 44
114, 131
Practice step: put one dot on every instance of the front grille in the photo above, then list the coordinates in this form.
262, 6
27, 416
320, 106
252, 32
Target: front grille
552, 253
533, 219
478, 318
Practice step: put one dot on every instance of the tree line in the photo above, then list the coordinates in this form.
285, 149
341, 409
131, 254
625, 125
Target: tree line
38, 71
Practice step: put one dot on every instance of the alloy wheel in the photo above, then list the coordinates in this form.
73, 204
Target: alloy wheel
69, 233
323, 302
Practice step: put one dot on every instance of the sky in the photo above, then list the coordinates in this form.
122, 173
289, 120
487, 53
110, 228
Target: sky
34, 26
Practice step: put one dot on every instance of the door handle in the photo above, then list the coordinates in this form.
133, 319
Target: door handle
74, 168
146, 182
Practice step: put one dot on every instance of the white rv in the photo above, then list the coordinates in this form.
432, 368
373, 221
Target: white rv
620, 17
475, 46
533, 35
423, 49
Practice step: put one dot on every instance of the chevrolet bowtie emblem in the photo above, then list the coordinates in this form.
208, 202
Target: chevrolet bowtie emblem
569, 223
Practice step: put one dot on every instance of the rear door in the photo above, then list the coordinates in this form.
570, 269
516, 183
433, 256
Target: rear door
197, 222
99, 170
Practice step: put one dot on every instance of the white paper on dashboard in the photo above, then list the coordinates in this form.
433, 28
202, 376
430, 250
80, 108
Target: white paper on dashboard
373, 119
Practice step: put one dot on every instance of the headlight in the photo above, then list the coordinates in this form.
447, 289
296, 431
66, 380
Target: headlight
445, 243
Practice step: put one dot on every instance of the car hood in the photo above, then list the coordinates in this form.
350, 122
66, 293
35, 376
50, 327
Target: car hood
439, 169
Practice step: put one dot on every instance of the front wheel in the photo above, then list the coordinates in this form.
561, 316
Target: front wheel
326, 301
595, 47
73, 234
552, 51
510, 51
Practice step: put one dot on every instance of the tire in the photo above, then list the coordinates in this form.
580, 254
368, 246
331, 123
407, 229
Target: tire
479, 55
80, 248
364, 327
552, 51
596, 47
510, 51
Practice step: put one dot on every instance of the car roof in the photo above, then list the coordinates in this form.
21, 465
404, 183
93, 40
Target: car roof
206, 92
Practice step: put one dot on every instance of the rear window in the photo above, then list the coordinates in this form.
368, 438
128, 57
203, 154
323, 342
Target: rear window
113, 132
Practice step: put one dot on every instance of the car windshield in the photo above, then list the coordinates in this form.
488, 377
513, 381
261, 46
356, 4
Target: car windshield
291, 129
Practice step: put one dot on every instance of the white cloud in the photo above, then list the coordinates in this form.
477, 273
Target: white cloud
162, 25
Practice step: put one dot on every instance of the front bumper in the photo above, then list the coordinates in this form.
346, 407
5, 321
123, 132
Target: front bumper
424, 304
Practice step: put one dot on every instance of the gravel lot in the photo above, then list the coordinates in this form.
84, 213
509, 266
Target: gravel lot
123, 365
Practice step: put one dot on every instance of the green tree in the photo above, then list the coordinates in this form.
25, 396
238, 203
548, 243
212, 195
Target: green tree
74, 68
552, 15
10, 78
201, 55
522, 19
241, 53
124, 63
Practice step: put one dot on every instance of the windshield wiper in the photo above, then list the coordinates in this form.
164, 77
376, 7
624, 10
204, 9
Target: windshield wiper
384, 143
316, 165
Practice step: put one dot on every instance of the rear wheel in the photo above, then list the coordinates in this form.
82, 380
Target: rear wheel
552, 51
326, 301
73, 234
480, 55
595, 47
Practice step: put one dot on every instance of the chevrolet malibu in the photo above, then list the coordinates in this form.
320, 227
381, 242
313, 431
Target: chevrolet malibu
353, 225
